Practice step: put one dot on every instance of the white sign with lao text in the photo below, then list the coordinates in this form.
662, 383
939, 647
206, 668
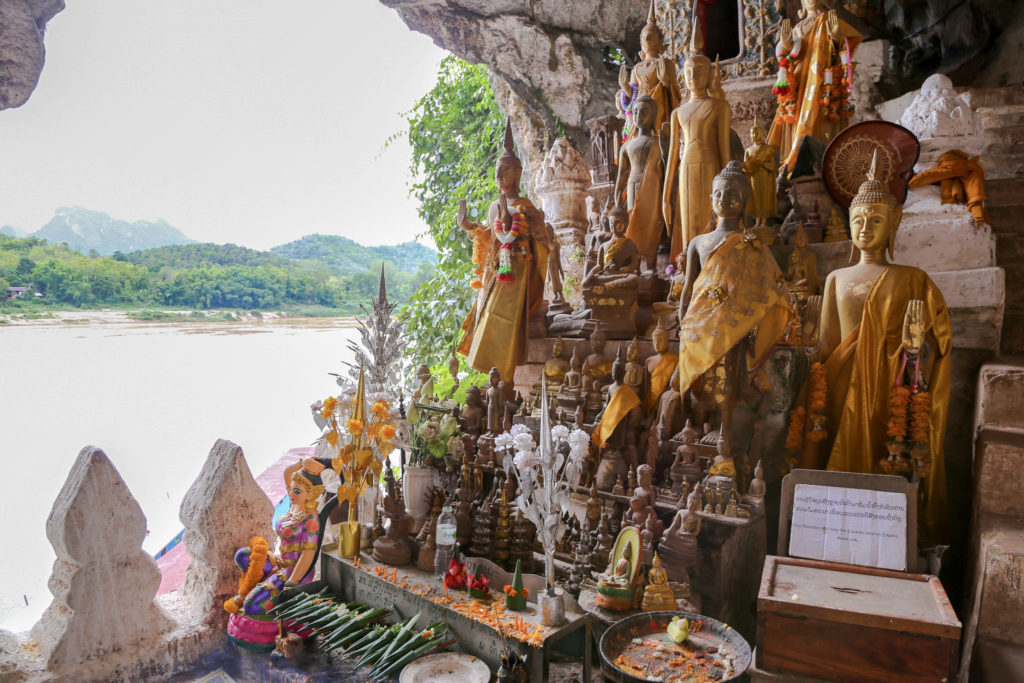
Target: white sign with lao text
855, 526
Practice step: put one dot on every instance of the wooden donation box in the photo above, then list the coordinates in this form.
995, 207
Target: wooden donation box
862, 619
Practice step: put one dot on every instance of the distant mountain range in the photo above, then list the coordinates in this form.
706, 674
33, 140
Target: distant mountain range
150, 242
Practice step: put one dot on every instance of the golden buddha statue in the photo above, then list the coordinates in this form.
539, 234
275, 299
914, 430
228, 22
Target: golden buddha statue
514, 241
802, 269
659, 367
836, 231
809, 47
611, 286
597, 364
615, 432
556, 367
733, 286
658, 594
639, 180
876, 320
761, 166
594, 509
698, 149
635, 373
654, 76
667, 311
664, 423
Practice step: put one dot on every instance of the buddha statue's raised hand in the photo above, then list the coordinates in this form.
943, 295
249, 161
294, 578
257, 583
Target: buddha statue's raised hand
503, 215
913, 327
812, 320
834, 31
786, 35
624, 80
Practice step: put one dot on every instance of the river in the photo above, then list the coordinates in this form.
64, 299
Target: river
154, 397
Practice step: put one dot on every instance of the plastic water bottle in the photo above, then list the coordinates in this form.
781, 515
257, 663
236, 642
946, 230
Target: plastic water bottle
444, 537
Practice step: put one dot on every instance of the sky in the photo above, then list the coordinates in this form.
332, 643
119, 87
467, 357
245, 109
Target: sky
246, 121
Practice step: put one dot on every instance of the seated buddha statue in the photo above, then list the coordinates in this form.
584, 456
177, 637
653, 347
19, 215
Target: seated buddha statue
598, 364
615, 433
556, 367
657, 593
883, 326
611, 286
679, 542
667, 311
393, 548
616, 588
571, 392
802, 270
635, 372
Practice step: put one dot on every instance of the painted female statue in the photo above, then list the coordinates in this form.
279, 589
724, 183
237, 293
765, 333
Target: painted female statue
266, 574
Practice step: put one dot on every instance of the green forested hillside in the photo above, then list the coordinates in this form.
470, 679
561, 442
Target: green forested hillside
191, 276
350, 256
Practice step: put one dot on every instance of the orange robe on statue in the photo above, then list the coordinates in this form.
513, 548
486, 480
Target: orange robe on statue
620, 405
861, 372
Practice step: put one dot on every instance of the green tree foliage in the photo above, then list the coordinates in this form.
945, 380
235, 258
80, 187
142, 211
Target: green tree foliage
455, 132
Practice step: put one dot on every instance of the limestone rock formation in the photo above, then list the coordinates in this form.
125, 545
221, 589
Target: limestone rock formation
22, 54
102, 618
548, 54
221, 512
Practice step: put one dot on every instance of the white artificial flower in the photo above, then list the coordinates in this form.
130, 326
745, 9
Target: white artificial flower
559, 432
524, 441
518, 429
502, 441
526, 460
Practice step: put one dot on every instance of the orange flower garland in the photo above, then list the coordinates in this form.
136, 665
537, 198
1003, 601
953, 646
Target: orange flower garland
797, 421
481, 241
258, 550
816, 403
920, 426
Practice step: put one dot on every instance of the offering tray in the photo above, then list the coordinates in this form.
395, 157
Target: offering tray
639, 649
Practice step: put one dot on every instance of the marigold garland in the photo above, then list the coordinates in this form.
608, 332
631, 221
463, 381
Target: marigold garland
797, 422
816, 403
481, 242
258, 550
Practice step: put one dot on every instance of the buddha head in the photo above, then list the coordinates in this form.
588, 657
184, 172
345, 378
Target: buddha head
558, 348
730, 191
652, 40
473, 397
494, 377
633, 351
619, 367
874, 215
810, 8
509, 170
697, 67
644, 476
645, 112
619, 220
756, 132
305, 490
660, 337
597, 341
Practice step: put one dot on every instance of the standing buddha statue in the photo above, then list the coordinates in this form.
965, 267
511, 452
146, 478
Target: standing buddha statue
760, 162
810, 49
659, 367
654, 76
732, 287
698, 149
886, 339
639, 180
635, 372
511, 254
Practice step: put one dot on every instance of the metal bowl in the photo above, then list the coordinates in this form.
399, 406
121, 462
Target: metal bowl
710, 635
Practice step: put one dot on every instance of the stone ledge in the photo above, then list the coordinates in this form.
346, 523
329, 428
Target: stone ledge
975, 301
1000, 569
998, 462
1000, 397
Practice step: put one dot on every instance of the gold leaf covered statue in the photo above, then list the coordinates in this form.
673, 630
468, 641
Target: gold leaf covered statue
885, 338
654, 76
512, 250
658, 595
814, 58
733, 286
640, 173
698, 149
761, 165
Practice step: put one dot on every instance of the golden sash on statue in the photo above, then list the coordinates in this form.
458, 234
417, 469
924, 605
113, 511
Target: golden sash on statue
496, 327
737, 290
861, 373
646, 224
660, 378
624, 400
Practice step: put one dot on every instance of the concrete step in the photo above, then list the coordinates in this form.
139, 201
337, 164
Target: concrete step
996, 662
999, 460
995, 100
1000, 397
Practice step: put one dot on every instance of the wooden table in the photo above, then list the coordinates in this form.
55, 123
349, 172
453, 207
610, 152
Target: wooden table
418, 591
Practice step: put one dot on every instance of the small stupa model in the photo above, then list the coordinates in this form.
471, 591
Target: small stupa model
502, 535
481, 543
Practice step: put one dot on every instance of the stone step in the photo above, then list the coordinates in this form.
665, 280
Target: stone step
985, 100
997, 604
1000, 397
998, 464
996, 662
975, 300
935, 236
1012, 343
1006, 217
